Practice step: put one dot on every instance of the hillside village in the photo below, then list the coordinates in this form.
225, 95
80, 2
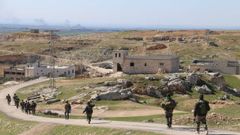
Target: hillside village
127, 74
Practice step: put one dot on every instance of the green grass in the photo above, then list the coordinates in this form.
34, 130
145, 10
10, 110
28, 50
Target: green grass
229, 110
232, 81
10, 126
68, 88
78, 130
154, 118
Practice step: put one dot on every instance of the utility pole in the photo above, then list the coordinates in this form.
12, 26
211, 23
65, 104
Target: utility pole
52, 61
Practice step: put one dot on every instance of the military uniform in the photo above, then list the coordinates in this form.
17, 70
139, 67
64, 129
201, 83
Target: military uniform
200, 113
8, 97
33, 107
67, 110
168, 105
89, 111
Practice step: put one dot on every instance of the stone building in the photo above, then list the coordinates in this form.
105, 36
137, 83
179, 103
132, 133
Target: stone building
144, 64
14, 73
37, 70
227, 67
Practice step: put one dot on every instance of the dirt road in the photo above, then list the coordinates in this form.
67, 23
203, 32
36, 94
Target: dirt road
11, 111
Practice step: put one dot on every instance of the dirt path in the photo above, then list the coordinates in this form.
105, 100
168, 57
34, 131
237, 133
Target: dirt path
11, 111
238, 76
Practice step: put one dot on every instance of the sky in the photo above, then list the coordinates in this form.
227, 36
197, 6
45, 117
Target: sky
122, 13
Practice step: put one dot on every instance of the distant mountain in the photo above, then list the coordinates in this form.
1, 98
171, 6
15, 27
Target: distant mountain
7, 28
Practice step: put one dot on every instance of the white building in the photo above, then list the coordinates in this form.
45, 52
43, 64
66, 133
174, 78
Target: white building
37, 70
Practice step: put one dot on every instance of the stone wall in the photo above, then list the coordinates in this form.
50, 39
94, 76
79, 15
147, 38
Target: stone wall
216, 66
142, 66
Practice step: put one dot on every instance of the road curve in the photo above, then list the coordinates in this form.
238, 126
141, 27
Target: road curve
11, 111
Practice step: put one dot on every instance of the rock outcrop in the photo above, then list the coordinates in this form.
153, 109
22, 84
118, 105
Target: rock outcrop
179, 86
203, 89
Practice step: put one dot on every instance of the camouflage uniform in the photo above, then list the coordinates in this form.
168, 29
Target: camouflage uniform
67, 110
168, 105
89, 111
200, 113
8, 97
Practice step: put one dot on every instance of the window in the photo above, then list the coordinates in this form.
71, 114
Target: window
161, 64
145, 64
119, 55
131, 64
115, 54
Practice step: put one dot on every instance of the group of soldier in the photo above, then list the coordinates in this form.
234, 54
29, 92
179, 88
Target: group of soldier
88, 110
200, 111
26, 106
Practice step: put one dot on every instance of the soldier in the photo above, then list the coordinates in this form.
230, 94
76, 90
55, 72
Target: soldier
168, 105
22, 105
200, 113
67, 110
33, 107
17, 100
89, 111
8, 97
14, 98
27, 107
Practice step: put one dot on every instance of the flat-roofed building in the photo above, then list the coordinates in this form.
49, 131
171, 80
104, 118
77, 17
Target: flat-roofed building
223, 66
144, 64
14, 73
37, 70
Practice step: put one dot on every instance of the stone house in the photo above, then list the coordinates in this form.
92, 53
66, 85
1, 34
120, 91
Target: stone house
122, 62
15, 73
223, 66
37, 70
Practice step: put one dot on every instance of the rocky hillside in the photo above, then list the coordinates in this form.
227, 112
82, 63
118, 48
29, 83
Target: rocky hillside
94, 47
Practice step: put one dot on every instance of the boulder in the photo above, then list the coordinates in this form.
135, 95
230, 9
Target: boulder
50, 112
217, 79
203, 89
154, 91
121, 94
171, 77
125, 83
193, 79
231, 91
179, 86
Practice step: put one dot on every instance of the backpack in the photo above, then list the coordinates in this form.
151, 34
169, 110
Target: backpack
203, 107
169, 105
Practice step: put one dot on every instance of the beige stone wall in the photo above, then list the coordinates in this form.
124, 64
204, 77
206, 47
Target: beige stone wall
152, 66
216, 66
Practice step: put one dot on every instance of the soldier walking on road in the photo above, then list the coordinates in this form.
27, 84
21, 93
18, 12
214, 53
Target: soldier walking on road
67, 110
33, 107
89, 111
200, 113
168, 105
17, 101
27, 107
8, 97
22, 105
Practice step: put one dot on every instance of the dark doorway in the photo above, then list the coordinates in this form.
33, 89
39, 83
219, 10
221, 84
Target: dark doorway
119, 67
